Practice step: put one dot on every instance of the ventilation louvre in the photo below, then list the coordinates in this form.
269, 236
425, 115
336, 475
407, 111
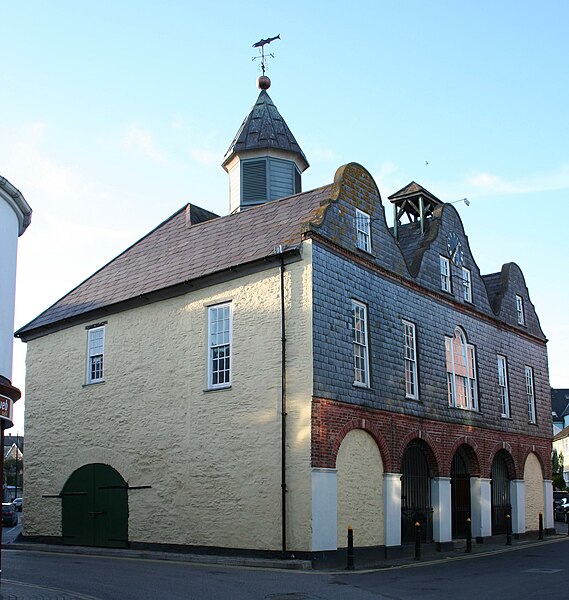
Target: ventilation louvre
254, 181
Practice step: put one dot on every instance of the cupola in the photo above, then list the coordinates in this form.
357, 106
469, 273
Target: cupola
415, 203
264, 161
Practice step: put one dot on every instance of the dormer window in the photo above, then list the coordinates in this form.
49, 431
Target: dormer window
363, 227
520, 310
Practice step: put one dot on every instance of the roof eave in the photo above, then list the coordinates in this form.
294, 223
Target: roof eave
16, 200
289, 254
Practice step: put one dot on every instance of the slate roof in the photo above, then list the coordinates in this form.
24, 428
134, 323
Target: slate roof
560, 402
264, 128
410, 238
178, 251
493, 284
413, 189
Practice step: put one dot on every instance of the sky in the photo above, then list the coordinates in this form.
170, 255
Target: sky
114, 114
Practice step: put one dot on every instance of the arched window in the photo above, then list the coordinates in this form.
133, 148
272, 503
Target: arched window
461, 372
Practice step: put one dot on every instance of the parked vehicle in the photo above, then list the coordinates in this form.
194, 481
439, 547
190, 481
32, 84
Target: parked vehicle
9, 514
560, 508
18, 503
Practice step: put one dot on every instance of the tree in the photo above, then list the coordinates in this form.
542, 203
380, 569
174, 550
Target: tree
557, 461
10, 466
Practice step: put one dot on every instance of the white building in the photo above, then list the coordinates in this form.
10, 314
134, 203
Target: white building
15, 216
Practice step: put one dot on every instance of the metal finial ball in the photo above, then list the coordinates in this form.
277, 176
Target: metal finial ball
263, 82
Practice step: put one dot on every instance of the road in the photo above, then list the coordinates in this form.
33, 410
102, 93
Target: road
531, 572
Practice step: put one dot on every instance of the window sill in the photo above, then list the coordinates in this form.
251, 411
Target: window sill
506, 418
464, 409
93, 383
364, 386
413, 398
368, 252
217, 389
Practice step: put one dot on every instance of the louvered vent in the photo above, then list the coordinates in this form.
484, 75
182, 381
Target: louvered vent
297, 182
254, 181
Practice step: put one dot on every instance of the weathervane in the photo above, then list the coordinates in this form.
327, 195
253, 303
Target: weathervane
261, 45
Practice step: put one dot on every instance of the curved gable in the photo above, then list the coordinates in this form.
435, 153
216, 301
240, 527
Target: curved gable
505, 290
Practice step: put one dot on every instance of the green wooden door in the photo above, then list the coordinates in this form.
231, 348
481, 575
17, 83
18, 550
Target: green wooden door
95, 508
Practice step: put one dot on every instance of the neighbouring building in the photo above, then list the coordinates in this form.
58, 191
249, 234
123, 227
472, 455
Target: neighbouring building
559, 409
15, 216
299, 366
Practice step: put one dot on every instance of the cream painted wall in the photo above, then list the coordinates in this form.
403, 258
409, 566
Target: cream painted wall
533, 478
213, 458
360, 490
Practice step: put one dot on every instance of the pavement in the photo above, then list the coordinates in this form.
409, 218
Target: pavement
404, 559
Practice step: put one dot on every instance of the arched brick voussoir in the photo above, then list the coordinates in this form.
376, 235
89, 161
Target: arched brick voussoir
514, 470
369, 427
545, 471
433, 456
472, 452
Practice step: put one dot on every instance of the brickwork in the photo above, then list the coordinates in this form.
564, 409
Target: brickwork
332, 420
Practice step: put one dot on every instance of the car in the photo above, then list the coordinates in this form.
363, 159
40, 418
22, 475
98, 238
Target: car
561, 509
9, 514
18, 503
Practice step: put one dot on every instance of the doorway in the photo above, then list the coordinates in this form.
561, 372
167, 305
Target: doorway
95, 508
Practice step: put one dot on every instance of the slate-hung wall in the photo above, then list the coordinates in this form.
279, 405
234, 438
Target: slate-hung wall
337, 281
394, 291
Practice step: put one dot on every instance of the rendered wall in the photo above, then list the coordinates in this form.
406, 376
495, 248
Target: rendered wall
533, 478
360, 490
8, 248
213, 458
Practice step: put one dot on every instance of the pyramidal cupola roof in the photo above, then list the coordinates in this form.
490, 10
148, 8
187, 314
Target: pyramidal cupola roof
264, 129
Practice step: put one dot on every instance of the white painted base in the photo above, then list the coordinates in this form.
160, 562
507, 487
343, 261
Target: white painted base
481, 506
392, 503
324, 509
518, 502
548, 517
442, 511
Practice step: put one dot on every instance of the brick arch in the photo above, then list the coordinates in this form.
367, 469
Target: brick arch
471, 449
432, 454
506, 450
368, 427
544, 472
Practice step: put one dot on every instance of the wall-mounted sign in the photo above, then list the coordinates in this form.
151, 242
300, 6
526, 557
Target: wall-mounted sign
6, 409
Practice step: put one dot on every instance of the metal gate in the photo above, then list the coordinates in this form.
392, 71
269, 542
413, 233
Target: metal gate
95, 508
416, 494
460, 493
500, 494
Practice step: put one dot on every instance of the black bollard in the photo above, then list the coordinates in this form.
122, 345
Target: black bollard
540, 526
468, 535
350, 565
508, 530
417, 541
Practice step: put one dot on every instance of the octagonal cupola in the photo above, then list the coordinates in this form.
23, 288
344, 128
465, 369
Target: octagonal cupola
264, 161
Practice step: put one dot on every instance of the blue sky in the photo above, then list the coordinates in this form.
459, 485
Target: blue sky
115, 114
